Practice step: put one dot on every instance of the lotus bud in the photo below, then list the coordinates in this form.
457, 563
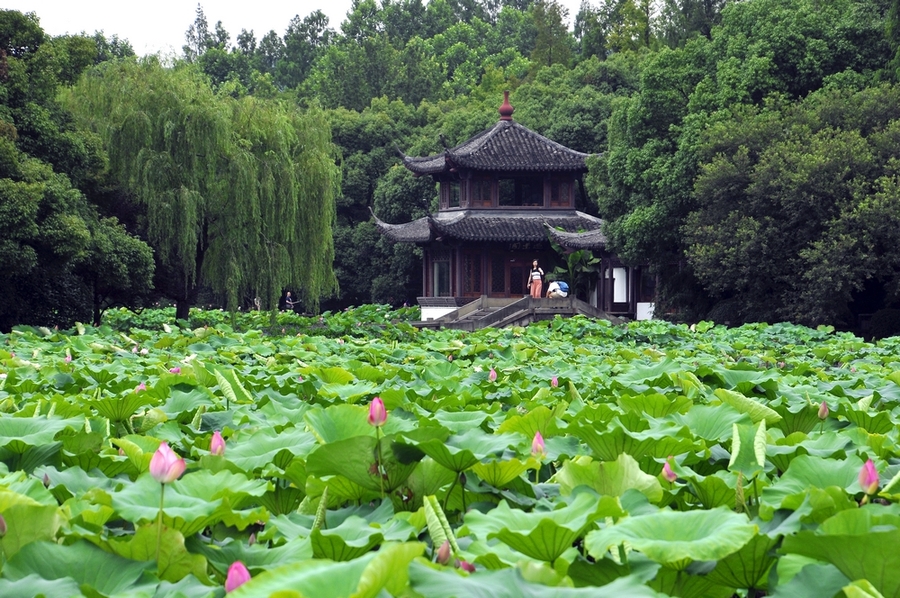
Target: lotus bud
868, 478
140, 387
2, 526
443, 553
252, 539
134, 349
823, 410
377, 413
68, 359
237, 576
538, 449
554, 382
175, 370
668, 473
493, 375
450, 358
467, 566
217, 444
166, 466
46, 481
144, 351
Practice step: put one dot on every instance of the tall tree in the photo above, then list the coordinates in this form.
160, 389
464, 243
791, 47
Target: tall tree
553, 44
238, 193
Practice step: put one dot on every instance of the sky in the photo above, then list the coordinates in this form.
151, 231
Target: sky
160, 25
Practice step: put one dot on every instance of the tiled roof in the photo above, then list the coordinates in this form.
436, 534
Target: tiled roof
592, 239
507, 146
417, 231
496, 225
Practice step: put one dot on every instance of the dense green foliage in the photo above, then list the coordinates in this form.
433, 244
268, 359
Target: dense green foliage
719, 127
62, 256
672, 461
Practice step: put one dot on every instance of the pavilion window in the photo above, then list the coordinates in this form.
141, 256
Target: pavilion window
453, 194
441, 281
521, 191
480, 193
560, 192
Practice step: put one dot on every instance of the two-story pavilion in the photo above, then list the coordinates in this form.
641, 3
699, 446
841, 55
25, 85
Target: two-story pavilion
503, 194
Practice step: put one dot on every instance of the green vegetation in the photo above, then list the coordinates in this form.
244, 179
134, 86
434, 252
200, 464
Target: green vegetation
744, 152
570, 458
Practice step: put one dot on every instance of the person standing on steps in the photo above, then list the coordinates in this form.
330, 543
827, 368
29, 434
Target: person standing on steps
536, 280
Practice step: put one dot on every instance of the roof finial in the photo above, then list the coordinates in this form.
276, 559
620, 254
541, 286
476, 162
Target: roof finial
506, 108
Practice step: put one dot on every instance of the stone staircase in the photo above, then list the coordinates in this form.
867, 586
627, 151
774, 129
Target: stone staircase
500, 312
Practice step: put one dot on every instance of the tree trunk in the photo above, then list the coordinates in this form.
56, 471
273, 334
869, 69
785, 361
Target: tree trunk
183, 309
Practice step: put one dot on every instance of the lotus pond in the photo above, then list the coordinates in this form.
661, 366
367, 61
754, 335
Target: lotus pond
570, 458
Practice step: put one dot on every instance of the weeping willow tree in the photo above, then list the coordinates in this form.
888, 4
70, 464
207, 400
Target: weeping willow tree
239, 194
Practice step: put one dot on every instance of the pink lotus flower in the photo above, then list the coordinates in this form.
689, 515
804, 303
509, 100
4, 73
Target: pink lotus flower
217, 444
538, 449
68, 359
237, 576
554, 382
449, 358
175, 370
493, 375
868, 478
667, 472
377, 413
443, 553
166, 466
144, 351
823, 410
140, 387
134, 349
467, 566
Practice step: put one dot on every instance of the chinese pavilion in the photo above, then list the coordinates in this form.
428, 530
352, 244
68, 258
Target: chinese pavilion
504, 194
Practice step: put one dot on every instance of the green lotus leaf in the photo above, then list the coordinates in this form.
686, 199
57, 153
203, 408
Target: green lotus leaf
671, 582
812, 581
807, 471
175, 562
748, 567
18, 434
27, 520
354, 458
655, 405
668, 439
213, 486
461, 451
611, 478
879, 423
861, 589
711, 423
748, 449
756, 410
459, 421
351, 539
118, 409
428, 478
714, 491
339, 422
820, 445
846, 540
257, 557
364, 577
184, 400
82, 562
509, 583
675, 538
255, 451
543, 535
500, 473
34, 585
540, 419
139, 503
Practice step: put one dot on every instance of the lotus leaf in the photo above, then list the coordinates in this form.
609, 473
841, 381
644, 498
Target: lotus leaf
677, 537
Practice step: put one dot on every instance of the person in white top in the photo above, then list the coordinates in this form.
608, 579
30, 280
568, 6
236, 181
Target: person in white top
536, 280
554, 291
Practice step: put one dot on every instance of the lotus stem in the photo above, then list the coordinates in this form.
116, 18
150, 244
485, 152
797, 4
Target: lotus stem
623, 556
378, 460
162, 493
